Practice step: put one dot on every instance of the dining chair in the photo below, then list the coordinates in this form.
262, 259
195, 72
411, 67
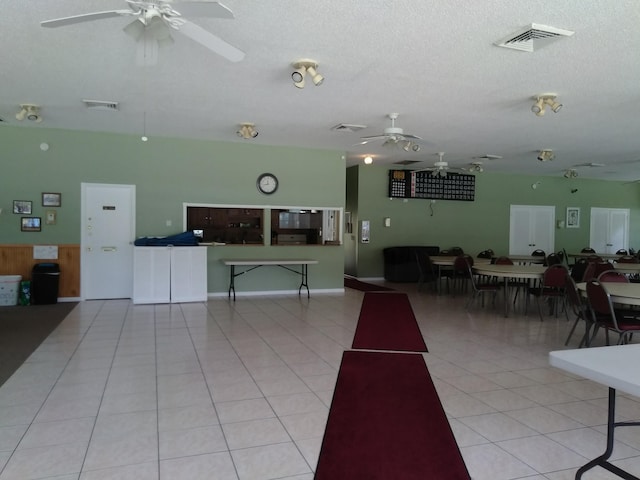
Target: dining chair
622, 251
427, 271
461, 268
553, 259
602, 267
455, 251
587, 250
578, 269
580, 310
486, 254
538, 253
480, 288
589, 272
512, 283
551, 289
624, 322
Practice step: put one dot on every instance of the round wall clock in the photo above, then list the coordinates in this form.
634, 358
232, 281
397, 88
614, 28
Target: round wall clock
267, 183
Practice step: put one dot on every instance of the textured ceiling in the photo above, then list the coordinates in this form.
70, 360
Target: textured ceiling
433, 62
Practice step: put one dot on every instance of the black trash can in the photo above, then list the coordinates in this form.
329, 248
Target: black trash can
45, 279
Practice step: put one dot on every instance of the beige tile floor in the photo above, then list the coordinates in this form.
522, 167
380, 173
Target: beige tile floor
242, 390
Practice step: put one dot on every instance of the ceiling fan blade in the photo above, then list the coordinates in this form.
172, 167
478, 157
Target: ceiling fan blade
204, 9
87, 17
411, 137
374, 137
211, 41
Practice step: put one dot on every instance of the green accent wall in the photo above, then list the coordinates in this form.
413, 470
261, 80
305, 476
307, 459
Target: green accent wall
168, 172
477, 225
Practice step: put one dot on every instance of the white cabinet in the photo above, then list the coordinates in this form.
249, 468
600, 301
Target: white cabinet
169, 274
531, 228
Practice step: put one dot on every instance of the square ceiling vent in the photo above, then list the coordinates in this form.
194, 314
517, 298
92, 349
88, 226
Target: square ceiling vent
533, 37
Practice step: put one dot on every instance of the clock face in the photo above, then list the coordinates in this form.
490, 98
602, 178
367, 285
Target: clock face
267, 183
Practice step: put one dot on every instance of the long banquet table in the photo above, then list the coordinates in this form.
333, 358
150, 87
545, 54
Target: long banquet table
529, 272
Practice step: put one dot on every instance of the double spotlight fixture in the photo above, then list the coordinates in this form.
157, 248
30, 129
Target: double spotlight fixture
546, 155
542, 101
410, 146
476, 167
306, 66
247, 131
30, 112
570, 173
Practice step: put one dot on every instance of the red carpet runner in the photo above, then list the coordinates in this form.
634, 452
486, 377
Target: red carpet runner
355, 284
386, 423
387, 322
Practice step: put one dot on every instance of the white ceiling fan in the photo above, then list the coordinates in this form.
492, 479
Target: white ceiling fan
440, 168
395, 136
155, 19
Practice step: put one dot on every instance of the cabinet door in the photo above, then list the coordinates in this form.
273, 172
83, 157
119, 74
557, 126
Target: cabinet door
188, 274
151, 274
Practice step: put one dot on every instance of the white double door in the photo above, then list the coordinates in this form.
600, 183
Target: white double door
609, 229
531, 227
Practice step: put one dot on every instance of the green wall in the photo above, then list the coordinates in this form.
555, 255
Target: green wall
481, 224
168, 172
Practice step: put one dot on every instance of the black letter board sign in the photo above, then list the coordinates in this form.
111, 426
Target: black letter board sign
410, 184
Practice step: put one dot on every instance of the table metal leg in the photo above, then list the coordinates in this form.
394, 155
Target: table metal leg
232, 278
602, 460
304, 279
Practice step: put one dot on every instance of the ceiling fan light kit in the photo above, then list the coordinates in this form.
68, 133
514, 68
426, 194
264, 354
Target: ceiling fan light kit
542, 101
30, 112
368, 160
302, 67
247, 131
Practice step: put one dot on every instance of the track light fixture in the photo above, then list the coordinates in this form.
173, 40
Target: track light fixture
247, 131
542, 101
570, 173
302, 67
30, 112
546, 155
410, 146
476, 167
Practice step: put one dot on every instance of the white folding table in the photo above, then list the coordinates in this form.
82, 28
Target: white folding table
617, 368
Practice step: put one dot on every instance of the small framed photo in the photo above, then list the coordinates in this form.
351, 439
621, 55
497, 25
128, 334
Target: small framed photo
22, 207
51, 199
50, 217
30, 224
573, 217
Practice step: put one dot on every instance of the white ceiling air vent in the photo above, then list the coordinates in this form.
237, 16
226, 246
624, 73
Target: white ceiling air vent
347, 127
533, 37
101, 105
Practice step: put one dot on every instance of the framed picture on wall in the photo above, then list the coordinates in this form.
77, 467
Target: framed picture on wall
30, 224
22, 207
51, 199
573, 217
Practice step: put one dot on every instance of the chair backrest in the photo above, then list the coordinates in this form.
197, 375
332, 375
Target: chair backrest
587, 250
627, 259
553, 259
612, 276
554, 276
461, 262
573, 296
602, 267
456, 251
622, 251
504, 261
445, 253
486, 254
599, 298
589, 272
538, 253
578, 268
425, 265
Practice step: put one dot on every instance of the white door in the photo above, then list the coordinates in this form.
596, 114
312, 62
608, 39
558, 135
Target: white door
108, 231
531, 227
609, 229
